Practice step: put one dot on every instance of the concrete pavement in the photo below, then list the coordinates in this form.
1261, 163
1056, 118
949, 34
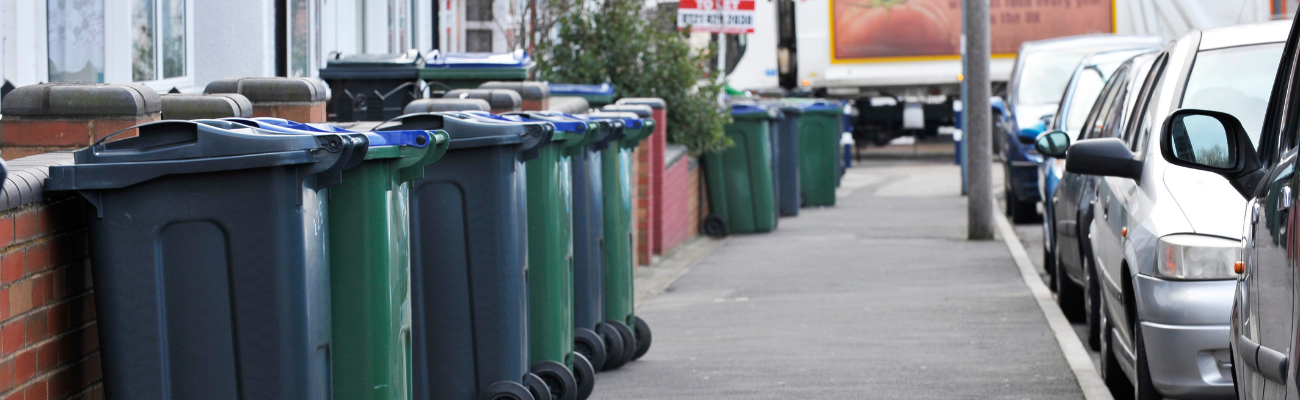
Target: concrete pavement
880, 297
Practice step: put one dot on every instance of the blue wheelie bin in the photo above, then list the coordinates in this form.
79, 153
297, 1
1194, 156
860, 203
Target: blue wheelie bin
209, 266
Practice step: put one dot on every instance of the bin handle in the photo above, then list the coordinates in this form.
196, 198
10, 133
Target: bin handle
355, 147
439, 143
143, 128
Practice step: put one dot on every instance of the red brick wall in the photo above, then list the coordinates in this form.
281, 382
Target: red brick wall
301, 112
22, 137
649, 204
681, 202
49, 343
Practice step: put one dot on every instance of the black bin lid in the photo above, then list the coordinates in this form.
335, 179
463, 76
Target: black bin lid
374, 66
184, 147
467, 131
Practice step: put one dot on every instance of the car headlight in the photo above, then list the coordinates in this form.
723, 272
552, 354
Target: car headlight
1196, 257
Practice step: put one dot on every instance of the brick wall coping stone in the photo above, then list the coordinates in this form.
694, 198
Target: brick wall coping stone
653, 102
499, 99
528, 90
80, 101
25, 184
436, 105
272, 90
207, 105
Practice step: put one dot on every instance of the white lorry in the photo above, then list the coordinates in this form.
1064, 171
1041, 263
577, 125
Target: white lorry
886, 54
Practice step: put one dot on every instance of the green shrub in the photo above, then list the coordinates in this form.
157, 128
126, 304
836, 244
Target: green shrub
619, 42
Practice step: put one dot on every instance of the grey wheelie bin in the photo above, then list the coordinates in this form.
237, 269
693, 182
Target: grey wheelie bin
209, 273
372, 87
570, 376
785, 156
469, 267
588, 236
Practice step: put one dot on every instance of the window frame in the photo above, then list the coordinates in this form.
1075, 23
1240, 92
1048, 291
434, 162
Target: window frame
118, 47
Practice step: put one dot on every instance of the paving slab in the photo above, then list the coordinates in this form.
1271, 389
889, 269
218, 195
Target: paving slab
880, 297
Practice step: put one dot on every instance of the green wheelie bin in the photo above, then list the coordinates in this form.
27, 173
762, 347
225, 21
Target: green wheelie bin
569, 375
820, 128
739, 178
370, 259
616, 174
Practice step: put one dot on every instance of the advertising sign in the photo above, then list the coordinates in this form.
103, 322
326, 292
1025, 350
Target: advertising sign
913, 30
716, 16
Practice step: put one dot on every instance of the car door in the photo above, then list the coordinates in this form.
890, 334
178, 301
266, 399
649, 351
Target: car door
1114, 198
1067, 198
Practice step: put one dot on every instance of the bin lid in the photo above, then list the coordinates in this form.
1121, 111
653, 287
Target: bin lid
531, 90
184, 147
412, 138
639, 128
610, 128
817, 106
653, 102
643, 111
750, 112
598, 134
200, 106
515, 59
498, 99
404, 65
572, 133
467, 131
575, 89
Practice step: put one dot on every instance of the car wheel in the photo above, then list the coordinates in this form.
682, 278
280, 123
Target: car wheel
1022, 212
1111, 373
1143, 389
1092, 302
1049, 257
1069, 296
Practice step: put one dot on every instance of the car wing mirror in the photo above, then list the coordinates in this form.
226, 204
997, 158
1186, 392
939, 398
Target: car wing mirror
1104, 157
1052, 144
1212, 141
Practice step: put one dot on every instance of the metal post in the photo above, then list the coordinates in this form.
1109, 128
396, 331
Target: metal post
979, 202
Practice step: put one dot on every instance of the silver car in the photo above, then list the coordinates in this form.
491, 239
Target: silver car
1165, 237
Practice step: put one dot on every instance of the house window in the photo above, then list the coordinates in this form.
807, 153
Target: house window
478, 10
158, 40
75, 40
478, 40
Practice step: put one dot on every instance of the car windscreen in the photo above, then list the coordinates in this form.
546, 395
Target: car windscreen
1087, 87
1044, 76
1235, 80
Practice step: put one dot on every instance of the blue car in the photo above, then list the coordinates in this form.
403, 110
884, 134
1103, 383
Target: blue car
1038, 80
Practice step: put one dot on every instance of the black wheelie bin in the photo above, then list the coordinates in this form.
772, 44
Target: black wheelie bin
469, 267
210, 266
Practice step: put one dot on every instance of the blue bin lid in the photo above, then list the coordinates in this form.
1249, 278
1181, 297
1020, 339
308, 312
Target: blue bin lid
382, 138
438, 59
739, 109
573, 89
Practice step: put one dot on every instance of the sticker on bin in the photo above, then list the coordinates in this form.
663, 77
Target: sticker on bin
418, 139
438, 59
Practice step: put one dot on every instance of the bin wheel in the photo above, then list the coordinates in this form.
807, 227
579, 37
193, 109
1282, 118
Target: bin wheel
506, 390
585, 374
629, 343
613, 346
642, 332
715, 225
588, 343
558, 378
537, 388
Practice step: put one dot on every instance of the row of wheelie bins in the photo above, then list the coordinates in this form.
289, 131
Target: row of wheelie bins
785, 157
442, 255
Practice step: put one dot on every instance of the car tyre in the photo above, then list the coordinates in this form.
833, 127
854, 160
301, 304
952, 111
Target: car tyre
1069, 296
1111, 373
1049, 260
1143, 389
1092, 302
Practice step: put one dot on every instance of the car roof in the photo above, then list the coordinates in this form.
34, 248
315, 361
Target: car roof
1097, 41
1241, 35
1114, 56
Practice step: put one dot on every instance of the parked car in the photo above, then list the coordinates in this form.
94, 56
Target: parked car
1038, 80
1085, 84
1165, 236
1070, 211
1257, 155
